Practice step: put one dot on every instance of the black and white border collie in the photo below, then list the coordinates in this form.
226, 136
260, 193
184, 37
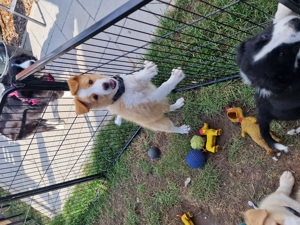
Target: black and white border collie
270, 62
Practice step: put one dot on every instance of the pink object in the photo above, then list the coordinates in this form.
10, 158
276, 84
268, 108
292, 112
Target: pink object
28, 100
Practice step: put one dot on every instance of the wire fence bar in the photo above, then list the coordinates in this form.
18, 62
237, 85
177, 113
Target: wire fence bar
42, 171
50, 188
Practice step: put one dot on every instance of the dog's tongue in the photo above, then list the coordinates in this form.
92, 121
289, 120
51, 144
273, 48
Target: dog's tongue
112, 84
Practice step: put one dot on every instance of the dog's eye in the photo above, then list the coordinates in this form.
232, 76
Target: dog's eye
264, 37
95, 97
91, 82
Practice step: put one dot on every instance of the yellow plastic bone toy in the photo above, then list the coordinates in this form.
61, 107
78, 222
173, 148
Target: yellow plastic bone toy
211, 136
249, 126
186, 218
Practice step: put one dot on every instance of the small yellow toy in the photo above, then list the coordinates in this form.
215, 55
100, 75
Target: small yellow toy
186, 218
249, 126
211, 136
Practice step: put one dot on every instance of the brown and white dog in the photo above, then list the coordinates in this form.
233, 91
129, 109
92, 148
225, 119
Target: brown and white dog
132, 97
277, 208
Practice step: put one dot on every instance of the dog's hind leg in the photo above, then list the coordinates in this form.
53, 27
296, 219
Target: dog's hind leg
177, 105
118, 120
286, 183
163, 90
166, 125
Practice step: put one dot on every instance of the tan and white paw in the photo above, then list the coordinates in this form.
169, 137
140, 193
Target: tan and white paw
150, 67
184, 129
287, 179
177, 74
179, 103
118, 121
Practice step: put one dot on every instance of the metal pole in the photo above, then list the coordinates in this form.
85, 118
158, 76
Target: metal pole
53, 187
10, 217
118, 14
208, 83
128, 143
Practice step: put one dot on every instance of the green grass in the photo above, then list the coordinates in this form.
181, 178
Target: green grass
160, 202
107, 146
19, 207
213, 99
205, 184
201, 49
174, 156
234, 151
145, 166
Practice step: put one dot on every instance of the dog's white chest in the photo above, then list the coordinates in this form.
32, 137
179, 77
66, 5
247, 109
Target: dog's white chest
136, 92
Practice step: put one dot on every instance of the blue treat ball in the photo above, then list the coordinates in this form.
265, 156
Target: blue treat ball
153, 152
195, 159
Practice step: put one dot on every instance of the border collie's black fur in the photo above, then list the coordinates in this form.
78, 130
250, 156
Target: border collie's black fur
270, 62
18, 119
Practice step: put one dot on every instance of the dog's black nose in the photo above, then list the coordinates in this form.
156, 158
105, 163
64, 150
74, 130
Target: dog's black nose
105, 85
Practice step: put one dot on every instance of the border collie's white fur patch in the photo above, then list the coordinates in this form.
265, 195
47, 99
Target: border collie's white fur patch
283, 33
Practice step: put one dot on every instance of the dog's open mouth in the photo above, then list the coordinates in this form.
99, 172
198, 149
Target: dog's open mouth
112, 83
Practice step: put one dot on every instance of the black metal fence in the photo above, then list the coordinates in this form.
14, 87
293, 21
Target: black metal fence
40, 168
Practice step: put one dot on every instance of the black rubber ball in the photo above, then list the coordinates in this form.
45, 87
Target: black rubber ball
153, 153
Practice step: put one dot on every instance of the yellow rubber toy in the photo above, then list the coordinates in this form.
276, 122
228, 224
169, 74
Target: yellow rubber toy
211, 136
249, 126
186, 218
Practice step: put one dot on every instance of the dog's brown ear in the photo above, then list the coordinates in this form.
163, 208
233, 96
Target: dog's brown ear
80, 107
73, 85
256, 216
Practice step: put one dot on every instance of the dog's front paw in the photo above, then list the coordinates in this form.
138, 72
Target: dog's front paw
184, 129
177, 75
150, 68
294, 131
281, 147
287, 179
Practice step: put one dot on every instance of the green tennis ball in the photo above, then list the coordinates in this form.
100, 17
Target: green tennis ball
197, 142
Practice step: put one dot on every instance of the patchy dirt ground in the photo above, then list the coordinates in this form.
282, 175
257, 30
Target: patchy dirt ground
246, 174
13, 27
